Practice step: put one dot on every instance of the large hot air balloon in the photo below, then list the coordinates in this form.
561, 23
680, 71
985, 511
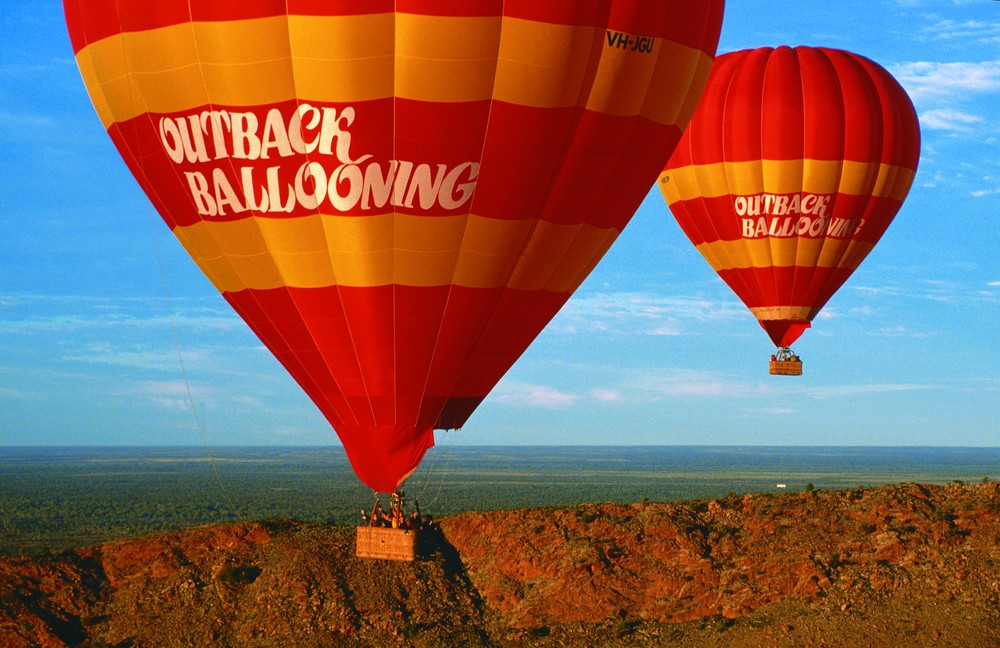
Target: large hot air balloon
396, 196
793, 166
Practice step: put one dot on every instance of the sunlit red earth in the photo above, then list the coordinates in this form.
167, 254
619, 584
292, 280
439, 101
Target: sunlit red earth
906, 565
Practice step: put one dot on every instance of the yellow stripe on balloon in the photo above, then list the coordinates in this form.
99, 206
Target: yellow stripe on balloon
537, 59
558, 257
673, 107
767, 252
96, 89
442, 58
353, 55
785, 177
623, 80
177, 68
783, 312
358, 58
323, 250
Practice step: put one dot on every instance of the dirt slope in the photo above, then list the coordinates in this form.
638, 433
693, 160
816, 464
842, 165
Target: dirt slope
902, 565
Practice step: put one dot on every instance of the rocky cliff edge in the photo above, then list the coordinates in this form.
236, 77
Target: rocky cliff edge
917, 564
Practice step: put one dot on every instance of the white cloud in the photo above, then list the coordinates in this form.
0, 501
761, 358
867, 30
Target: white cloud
902, 332
637, 387
948, 119
641, 313
955, 99
911, 292
17, 394
966, 31
606, 395
521, 394
877, 290
137, 357
246, 401
287, 432
665, 331
30, 313
927, 81
18, 123
171, 403
631, 387
656, 384
934, 3
170, 394
838, 391
773, 411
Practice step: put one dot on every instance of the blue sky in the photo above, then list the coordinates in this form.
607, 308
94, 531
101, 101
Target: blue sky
653, 348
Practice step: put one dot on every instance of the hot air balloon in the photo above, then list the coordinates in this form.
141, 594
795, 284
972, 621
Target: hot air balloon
396, 196
793, 166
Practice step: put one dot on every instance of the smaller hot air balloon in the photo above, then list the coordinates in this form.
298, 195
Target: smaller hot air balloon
793, 166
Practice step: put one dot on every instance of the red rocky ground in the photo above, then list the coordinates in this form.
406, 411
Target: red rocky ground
909, 565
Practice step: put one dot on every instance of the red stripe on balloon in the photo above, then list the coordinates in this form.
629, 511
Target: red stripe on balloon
576, 170
367, 334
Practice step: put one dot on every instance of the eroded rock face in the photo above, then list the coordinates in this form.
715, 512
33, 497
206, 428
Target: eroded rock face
681, 561
234, 584
273, 583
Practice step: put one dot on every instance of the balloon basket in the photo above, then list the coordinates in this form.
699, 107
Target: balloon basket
785, 363
384, 543
786, 368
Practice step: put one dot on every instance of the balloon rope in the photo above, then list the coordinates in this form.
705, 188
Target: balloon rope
166, 298
431, 478
429, 473
180, 362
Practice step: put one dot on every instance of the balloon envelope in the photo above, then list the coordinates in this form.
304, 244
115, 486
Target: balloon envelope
793, 166
396, 196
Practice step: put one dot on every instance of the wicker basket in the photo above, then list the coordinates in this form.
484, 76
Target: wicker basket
786, 368
386, 544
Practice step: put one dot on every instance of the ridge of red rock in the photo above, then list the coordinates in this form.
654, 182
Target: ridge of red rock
681, 561
506, 577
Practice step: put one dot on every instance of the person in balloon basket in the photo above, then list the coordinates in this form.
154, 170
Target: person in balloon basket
378, 515
395, 517
396, 510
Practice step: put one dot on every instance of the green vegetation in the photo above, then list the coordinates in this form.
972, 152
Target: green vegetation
56, 498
